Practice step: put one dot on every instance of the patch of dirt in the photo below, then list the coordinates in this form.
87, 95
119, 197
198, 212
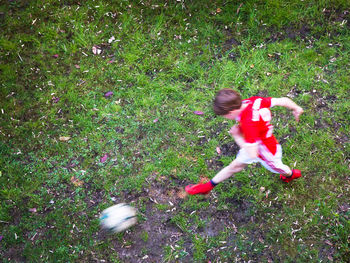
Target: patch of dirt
294, 92
263, 93
304, 32
337, 15
13, 254
229, 149
276, 57
202, 140
231, 41
322, 102
146, 240
119, 130
219, 128
327, 252
291, 32
343, 209
214, 164
323, 106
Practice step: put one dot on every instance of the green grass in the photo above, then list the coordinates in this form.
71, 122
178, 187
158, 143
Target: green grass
168, 60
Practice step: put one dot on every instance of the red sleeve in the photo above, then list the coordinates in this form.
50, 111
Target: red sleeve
263, 102
266, 102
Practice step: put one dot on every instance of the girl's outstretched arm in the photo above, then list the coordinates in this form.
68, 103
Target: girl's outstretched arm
289, 104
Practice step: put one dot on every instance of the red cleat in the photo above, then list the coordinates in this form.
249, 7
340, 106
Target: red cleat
195, 189
295, 174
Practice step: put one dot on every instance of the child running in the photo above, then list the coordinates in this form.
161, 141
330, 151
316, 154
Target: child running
253, 134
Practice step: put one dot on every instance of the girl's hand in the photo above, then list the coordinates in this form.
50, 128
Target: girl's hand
237, 135
297, 112
234, 131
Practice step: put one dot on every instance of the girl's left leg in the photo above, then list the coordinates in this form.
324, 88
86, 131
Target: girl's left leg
274, 164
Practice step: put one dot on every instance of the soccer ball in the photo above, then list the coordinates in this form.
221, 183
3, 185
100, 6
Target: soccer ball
118, 217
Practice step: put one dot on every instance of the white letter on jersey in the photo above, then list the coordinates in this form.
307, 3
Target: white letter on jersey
265, 114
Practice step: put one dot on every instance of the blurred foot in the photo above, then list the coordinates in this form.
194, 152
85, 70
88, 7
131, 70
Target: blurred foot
295, 174
195, 189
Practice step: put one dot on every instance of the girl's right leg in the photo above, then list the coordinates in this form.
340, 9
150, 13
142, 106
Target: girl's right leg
225, 173
228, 171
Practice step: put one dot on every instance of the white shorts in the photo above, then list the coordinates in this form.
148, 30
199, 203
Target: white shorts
271, 162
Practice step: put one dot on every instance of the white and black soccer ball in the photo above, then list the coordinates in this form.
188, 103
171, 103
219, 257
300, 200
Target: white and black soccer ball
118, 218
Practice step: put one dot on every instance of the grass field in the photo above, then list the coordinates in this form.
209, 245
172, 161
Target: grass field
97, 108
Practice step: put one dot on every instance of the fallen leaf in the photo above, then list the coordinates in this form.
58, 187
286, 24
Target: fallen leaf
328, 243
104, 158
76, 181
344, 208
108, 94
64, 138
239, 8
111, 39
96, 50
198, 112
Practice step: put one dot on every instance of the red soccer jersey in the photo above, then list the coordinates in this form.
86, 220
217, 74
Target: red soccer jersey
255, 122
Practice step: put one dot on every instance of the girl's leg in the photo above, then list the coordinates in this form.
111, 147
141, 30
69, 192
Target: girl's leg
274, 164
228, 171
225, 173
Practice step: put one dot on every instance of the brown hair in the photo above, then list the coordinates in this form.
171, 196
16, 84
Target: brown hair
226, 100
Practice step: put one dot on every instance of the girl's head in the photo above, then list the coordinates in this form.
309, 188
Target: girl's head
227, 100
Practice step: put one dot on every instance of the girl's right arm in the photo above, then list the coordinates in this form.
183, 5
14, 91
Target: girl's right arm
237, 136
251, 148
